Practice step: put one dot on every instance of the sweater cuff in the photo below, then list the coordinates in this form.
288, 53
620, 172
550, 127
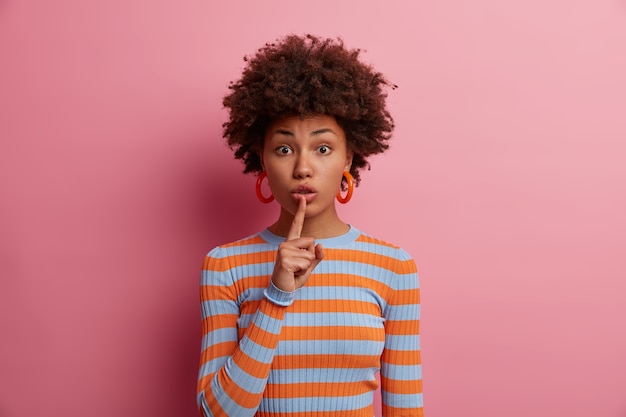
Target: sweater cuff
278, 296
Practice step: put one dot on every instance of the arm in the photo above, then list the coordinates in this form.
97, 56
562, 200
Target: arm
401, 369
233, 373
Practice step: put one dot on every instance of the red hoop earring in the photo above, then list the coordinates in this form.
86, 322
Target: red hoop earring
259, 194
350, 180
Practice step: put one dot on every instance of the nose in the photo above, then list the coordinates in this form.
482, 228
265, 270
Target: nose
303, 168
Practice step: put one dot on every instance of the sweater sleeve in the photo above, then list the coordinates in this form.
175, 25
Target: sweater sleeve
234, 371
401, 369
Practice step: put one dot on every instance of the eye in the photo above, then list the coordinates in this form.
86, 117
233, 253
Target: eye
283, 150
324, 149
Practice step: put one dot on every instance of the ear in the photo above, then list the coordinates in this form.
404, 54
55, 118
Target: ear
349, 156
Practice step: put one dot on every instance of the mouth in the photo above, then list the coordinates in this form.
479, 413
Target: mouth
309, 193
303, 189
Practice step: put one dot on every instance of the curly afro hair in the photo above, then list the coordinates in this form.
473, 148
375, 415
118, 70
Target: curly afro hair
302, 75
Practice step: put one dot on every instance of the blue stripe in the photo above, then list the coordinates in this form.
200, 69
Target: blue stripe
355, 268
219, 336
253, 384
334, 319
268, 323
380, 248
237, 272
202, 404
403, 400
217, 307
330, 347
229, 276
388, 251
317, 404
236, 250
402, 342
405, 282
339, 293
219, 278
403, 312
245, 319
402, 372
256, 351
317, 375
215, 278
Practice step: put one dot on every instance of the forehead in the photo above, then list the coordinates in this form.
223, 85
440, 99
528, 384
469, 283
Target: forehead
305, 124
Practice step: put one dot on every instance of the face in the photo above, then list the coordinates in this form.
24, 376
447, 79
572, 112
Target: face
306, 155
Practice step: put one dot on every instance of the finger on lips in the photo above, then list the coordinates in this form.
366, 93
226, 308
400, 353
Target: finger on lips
300, 255
298, 221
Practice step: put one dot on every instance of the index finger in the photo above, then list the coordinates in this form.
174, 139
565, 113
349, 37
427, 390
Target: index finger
298, 220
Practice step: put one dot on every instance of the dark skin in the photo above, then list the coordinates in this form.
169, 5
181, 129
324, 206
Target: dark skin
306, 154
297, 256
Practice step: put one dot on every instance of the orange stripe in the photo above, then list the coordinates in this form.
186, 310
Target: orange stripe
216, 409
353, 255
408, 267
218, 322
251, 366
320, 389
204, 382
215, 292
254, 281
395, 411
240, 260
249, 307
262, 337
403, 297
330, 333
409, 358
218, 350
362, 412
243, 242
401, 387
332, 306
375, 259
324, 361
272, 310
402, 328
369, 239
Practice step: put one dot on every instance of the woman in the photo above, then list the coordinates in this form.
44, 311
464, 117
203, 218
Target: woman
298, 318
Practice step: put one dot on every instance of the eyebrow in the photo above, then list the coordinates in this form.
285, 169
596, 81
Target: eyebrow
314, 133
324, 130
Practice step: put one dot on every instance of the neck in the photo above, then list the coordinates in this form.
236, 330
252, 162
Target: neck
319, 227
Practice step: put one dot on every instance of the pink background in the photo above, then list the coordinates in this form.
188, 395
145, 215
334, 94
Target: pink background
506, 181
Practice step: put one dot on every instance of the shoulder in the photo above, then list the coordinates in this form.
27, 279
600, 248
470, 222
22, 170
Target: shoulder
252, 243
375, 252
239, 254
373, 244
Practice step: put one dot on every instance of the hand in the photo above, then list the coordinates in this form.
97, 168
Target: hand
297, 256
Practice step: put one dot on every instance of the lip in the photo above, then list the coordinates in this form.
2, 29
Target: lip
309, 193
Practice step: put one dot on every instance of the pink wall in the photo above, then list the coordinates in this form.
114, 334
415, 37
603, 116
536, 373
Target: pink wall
506, 181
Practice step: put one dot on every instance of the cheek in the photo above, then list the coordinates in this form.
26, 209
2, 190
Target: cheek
334, 180
275, 175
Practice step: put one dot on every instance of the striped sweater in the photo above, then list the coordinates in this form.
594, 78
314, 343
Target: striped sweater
314, 351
